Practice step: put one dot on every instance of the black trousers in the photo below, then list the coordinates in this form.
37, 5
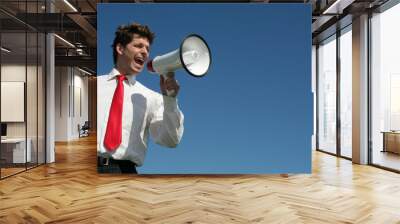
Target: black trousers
110, 165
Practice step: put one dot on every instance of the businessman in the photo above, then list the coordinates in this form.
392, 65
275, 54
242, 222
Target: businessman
128, 112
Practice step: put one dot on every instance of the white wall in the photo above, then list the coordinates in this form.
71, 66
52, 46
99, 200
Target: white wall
71, 87
61, 103
79, 117
15, 72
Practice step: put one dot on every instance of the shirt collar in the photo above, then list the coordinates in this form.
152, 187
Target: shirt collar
114, 72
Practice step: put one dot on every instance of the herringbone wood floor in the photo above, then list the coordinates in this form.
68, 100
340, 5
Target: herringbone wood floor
71, 191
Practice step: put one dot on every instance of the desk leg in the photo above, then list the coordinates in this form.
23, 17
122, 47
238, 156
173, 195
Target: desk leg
384, 142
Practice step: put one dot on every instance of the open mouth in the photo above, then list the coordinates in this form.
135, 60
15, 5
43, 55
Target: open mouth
139, 60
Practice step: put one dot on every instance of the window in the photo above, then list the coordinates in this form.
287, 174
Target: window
327, 95
385, 88
346, 92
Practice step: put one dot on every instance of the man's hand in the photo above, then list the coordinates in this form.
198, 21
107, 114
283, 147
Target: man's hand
169, 84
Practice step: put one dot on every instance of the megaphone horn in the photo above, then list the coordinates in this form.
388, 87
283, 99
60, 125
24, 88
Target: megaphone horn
193, 55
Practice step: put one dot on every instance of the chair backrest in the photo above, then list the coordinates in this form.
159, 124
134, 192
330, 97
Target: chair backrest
86, 125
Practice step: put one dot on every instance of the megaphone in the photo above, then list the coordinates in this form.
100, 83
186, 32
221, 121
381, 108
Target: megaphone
193, 55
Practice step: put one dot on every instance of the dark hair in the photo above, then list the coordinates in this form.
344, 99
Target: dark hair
124, 35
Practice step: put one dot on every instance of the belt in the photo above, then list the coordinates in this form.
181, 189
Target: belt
110, 165
106, 161
102, 161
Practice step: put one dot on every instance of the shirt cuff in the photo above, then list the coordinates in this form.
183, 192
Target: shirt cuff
170, 103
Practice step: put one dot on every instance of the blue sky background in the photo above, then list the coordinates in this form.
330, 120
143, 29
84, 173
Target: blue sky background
252, 112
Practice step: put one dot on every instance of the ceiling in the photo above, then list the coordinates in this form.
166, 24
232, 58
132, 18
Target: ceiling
76, 22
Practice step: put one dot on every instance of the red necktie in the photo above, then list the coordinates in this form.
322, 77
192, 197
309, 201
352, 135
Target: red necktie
113, 135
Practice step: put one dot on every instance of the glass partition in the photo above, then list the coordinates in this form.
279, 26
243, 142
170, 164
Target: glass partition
31, 97
14, 153
22, 89
41, 91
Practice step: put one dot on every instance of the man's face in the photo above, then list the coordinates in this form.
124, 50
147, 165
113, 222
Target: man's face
133, 56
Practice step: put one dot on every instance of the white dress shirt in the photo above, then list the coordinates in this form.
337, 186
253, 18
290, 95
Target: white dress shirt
144, 111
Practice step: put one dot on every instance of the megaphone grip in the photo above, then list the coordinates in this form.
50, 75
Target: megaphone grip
169, 92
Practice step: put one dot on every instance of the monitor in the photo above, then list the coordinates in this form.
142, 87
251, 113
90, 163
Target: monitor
3, 129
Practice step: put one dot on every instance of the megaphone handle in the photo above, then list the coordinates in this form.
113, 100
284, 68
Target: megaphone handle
169, 92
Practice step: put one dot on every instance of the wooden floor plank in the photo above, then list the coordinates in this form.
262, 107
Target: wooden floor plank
71, 191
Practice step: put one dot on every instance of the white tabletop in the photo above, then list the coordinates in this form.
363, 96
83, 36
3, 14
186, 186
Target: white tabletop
12, 140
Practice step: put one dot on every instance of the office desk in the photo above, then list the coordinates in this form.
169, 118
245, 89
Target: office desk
16, 147
391, 141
